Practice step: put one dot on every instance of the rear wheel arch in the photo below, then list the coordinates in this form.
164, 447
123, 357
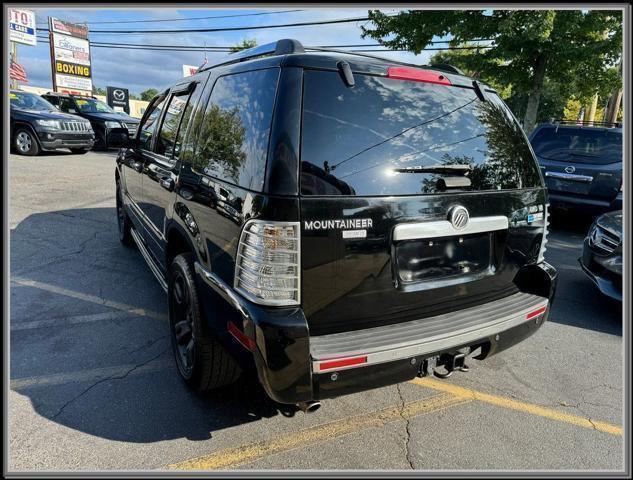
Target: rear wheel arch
177, 243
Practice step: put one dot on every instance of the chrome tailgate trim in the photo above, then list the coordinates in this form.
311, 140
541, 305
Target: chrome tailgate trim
427, 335
444, 228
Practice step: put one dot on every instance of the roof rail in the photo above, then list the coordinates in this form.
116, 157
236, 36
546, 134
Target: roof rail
358, 54
280, 47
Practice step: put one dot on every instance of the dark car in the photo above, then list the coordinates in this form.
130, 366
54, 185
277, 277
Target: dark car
112, 128
37, 125
385, 221
582, 166
602, 254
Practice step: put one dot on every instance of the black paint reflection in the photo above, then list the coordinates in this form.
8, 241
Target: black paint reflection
358, 135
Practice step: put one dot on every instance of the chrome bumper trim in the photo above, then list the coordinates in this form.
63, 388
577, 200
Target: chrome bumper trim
444, 228
434, 334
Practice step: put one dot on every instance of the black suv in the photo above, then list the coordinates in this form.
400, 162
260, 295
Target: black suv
341, 222
37, 125
112, 128
582, 166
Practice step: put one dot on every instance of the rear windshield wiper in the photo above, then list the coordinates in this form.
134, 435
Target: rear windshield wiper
452, 169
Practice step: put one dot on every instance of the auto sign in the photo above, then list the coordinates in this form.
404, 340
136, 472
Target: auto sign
22, 26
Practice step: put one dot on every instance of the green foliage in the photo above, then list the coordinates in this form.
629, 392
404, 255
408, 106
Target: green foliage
148, 94
222, 148
244, 44
98, 91
535, 53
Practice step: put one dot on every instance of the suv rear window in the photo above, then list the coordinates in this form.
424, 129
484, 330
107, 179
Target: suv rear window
578, 145
353, 138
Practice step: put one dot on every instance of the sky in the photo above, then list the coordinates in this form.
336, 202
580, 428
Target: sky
139, 70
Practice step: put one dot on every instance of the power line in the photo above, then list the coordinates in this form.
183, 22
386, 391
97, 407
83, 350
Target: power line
176, 48
185, 18
225, 47
234, 29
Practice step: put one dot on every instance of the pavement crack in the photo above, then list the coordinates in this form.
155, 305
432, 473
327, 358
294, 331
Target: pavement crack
407, 449
111, 377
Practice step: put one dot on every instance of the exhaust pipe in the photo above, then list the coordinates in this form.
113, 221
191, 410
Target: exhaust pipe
309, 407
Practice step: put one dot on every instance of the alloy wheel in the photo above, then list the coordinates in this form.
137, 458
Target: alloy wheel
24, 142
182, 325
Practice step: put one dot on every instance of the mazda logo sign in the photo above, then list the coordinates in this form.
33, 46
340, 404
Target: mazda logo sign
119, 95
570, 169
458, 216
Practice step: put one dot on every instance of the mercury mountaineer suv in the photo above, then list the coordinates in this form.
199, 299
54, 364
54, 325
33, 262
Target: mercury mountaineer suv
337, 221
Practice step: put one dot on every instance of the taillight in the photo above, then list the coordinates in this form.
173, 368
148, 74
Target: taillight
267, 268
541, 253
417, 75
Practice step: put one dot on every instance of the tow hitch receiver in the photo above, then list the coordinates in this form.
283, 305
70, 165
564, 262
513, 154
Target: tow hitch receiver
450, 362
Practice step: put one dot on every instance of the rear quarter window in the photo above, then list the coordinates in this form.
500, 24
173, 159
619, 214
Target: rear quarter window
234, 130
353, 138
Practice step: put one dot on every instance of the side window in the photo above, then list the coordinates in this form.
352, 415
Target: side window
67, 105
148, 128
233, 138
53, 100
169, 141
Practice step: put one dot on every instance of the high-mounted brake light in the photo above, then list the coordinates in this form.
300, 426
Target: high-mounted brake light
341, 363
417, 75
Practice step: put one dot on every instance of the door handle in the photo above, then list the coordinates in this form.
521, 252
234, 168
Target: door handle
167, 184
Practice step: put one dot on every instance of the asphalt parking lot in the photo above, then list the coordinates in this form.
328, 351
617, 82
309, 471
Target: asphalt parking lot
93, 385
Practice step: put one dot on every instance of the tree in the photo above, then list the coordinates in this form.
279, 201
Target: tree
148, 94
244, 44
567, 47
97, 90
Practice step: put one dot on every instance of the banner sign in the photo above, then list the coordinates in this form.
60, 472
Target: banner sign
118, 98
72, 84
70, 57
22, 26
71, 49
72, 69
72, 29
189, 70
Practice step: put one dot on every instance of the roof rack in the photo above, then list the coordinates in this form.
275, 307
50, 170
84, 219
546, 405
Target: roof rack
287, 46
585, 123
280, 47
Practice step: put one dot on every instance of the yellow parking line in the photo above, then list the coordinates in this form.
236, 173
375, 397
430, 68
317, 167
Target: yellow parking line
253, 451
517, 405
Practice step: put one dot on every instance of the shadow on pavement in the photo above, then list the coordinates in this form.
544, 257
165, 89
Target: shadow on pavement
112, 377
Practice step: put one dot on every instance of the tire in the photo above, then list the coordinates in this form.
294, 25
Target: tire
202, 361
78, 151
25, 142
123, 221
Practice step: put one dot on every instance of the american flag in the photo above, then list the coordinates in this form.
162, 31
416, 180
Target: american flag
16, 72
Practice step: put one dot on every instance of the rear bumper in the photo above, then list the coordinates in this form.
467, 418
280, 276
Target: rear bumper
294, 367
589, 205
